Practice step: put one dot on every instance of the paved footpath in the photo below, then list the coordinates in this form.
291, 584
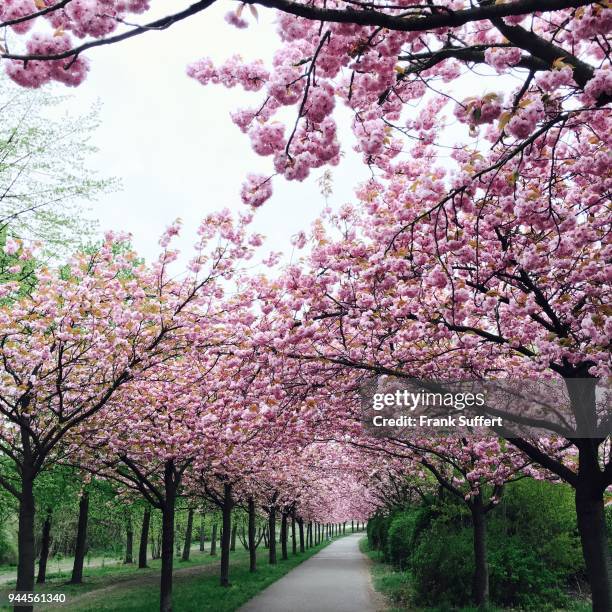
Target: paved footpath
335, 580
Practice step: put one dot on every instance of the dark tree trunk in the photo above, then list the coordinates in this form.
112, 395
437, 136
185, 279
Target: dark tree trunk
25, 538
233, 539
213, 540
252, 545
481, 568
589, 484
81, 541
266, 536
272, 534
592, 527
283, 536
144, 538
129, 542
293, 538
352, 526
301, 531
188, 535
167, 545
202, 533
44, 548
226, 534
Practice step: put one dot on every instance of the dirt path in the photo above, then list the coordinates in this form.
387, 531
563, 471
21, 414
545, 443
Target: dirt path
65, 565
147, 578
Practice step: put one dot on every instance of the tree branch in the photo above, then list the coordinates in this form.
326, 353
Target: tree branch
421, 23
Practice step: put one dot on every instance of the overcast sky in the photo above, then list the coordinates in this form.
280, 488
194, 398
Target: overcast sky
172, 143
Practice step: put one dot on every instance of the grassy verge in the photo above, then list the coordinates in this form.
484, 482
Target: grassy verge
393, 585
196, 588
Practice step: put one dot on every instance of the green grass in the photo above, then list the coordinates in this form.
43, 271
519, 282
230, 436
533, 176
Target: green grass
392, 584
196, 588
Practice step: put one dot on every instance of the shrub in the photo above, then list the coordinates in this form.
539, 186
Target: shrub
443, 566
519, 577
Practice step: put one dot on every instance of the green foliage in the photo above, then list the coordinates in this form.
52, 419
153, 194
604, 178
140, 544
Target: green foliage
443, 565
8, 549
520, 577
534, 552
14, 269
377, 529
44, 178
543, 517
401, 537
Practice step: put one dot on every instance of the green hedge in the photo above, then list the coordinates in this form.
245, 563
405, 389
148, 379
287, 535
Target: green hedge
534, 552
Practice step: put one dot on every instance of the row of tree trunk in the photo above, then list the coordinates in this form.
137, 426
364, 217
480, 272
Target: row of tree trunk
304, 535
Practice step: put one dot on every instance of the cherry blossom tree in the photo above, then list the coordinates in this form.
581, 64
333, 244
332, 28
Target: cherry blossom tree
86, 330
500, 285
485, 258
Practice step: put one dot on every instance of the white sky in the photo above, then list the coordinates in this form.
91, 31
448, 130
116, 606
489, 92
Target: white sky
172, 143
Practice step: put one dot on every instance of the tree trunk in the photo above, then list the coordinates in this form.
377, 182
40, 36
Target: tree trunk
81, 541
213, 540
202, 534
233, 538
226, 534
301, 531
589, 486
272, 534
167, 545
44, 548
593, 535
481, 568
252, 546
352, 526
129, 542
283, 536
188, 535
25, 539
293, 538
144, 538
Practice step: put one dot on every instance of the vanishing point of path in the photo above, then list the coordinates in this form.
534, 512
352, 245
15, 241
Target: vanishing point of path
335, 580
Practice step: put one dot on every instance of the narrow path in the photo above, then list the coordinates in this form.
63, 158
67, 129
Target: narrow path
335, 580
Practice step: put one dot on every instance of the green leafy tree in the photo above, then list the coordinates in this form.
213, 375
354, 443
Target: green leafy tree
44, 177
